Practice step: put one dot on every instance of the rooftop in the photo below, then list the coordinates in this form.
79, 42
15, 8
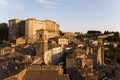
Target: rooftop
44, 75
75, 52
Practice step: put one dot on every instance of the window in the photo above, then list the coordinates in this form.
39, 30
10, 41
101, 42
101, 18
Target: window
79, 62
40, 36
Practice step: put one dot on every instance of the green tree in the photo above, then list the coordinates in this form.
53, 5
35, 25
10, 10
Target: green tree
116, 34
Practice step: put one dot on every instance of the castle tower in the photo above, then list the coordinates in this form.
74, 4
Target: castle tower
100, 55
42, 43
30, 30
13, 28
31, 25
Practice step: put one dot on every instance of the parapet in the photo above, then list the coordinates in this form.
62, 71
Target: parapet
31, 19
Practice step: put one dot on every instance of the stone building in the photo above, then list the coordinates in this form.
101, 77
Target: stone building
80, 65
32, 25
28, 28
17, 41
16, 28
58, 40
54, 55
42, 43
37, 72
48, 54
100, 56
6, 51
20, 40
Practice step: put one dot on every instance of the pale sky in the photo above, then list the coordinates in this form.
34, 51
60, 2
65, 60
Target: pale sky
72, 15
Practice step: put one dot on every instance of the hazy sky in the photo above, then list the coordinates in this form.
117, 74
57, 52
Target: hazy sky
72, 15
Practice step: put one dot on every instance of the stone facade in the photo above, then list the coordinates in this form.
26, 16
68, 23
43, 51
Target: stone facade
32, 25
16, 28
63, 41
100, 56
87, 62
42, 43
20, 40
6, 50
59, 40
49, 56
80, 65
37, 72
28, 28
53, 55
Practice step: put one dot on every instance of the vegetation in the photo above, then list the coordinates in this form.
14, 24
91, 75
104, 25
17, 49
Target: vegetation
114, 38
112, 55
93, 32
115, 33
3, 32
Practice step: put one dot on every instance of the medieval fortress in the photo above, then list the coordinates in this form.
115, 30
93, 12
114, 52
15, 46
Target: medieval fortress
19, 28
42, 32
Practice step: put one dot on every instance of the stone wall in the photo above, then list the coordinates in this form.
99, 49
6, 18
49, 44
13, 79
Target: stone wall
6, 50
63, 41
18, 76
44, 67
71, 63
53, 55
16, 28
87, 63
27, 28
20, 41
32, 25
